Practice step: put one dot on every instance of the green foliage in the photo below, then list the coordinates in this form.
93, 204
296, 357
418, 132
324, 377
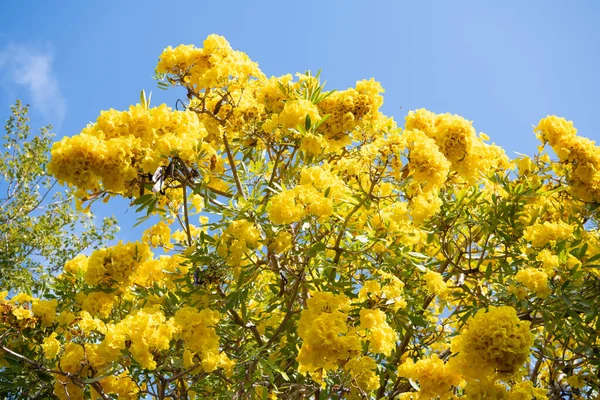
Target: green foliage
40, 229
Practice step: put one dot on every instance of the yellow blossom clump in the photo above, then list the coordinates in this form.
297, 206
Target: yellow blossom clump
283, 208
525, 390
541, 234
426, 163
351, 110
493, 341
581, 155
22, 313
97, 303
363, 372
238, 238
158, 235
326, 338
116, 264
88, 323
147, 330
458, 141
424, 205
21, 299
120, 385
549, 261
435, 377
51, 346
485, 389
281, 242
161, 271
380, 334
77, 265
435, 284
114, 152
196, 328
534, 280
216, 64
72, 361
45, 310
316, 194
294, 113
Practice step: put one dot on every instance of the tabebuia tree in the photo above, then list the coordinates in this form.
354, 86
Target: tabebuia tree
306, 246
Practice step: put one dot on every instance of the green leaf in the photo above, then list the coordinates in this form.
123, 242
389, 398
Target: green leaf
143, 99
143, 199
316, 249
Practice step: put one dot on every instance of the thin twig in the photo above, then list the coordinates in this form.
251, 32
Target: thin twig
186, 216
236, 178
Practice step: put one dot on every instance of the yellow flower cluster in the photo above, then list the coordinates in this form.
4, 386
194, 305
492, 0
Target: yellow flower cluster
534, 280
351, 111
380, 334
549, 261
147, 330
117, 268
316, 194
158, 235
434, 282
327, 340
281, 242
51, 346
45, 310
71, 362
458, 141
429, 169
238, 238
112, 153
426, 163
391, 291
541, 234
120, 385
77, 265
214, 65
493, 341
362, 370
435, 377
293, 114
163, 271
143, 333
97, 303
394, 220
116, 264
490, 389
579, 153
23, 310
525, 390
196, 328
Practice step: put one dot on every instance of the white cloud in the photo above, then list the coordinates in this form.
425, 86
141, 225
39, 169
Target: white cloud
32, 68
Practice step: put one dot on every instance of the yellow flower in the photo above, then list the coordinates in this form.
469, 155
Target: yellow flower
541, 234
22, 313
434, 282
434, 376
51, 346
381, 335
45, 310
362, 370
495, 340
534, 280
326, 338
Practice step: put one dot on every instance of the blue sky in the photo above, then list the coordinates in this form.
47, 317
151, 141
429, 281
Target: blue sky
504, 65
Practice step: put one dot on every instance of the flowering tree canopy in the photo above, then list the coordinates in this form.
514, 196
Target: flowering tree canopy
306, 246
